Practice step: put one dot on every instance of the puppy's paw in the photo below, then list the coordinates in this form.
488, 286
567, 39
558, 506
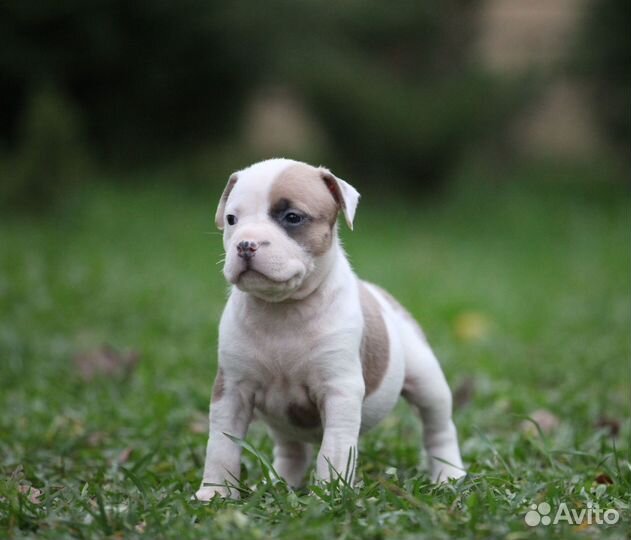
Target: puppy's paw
443, 473
206, 493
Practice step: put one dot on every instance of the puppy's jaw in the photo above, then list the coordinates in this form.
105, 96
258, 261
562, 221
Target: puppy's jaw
257, 285
239, 272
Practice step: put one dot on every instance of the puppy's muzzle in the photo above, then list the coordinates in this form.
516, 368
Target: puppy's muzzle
247, 249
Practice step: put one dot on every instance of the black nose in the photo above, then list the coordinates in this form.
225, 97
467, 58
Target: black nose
246, 249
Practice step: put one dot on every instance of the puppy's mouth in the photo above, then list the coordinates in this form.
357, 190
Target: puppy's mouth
250, 277
268, 279
251, 273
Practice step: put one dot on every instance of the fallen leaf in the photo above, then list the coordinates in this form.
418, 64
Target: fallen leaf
612, 425
124, 455
546, 421
18, 472
199, 423
463, 393
33, 494
472, 326
604, 479
105, 362
96, 438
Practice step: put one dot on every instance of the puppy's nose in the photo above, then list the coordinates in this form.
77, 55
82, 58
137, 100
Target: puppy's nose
247, 249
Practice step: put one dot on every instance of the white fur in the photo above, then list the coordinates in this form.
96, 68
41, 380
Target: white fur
292, 335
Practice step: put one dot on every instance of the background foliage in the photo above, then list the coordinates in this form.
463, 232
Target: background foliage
398, 93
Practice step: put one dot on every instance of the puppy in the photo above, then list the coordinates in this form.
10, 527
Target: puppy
305, 345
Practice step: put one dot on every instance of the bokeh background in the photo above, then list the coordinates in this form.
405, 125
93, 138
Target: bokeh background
375, 92
490, 141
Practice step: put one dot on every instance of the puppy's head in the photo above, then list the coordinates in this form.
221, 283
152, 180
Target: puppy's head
279, 221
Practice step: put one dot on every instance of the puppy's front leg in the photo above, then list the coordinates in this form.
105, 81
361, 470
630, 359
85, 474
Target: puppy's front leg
230, 412
342, 411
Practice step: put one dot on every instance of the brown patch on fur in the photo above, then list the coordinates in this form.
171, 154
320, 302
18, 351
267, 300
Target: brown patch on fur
375, 346
304, 416
334, 188
401, 310
219, 386
301, 187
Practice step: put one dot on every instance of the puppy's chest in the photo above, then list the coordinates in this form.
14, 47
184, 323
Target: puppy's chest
267, 349
288, 404
284, 370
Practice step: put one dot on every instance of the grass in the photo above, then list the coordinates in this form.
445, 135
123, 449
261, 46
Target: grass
522, 288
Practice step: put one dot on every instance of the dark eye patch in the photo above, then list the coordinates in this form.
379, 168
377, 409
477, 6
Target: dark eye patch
287, 216
279, 208
313, 234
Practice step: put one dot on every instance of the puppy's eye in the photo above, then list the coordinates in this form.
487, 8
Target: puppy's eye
292, 218
231, 219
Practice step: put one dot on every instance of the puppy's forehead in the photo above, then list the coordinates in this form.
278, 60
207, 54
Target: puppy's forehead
302, 187
255, 181
286, 182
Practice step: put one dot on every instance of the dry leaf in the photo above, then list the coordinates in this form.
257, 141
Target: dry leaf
463, 393
105, 362
611, 424
125, 454
199, 423
604, 479
546, 421
17, 473
472, 326
32, 493
96, 438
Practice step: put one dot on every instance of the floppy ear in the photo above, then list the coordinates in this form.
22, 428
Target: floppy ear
221, 208
344, 194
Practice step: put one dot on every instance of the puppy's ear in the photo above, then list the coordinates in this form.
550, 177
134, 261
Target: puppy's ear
221, 208
346, 196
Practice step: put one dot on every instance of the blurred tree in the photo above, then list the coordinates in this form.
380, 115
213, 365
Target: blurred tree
147, 75
50, 155
392, 84
603, 56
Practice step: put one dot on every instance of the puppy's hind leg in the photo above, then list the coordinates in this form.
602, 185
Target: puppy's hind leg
291, 459
426, 389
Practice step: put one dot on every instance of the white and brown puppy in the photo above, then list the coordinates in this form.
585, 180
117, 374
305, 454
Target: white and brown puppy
319, 355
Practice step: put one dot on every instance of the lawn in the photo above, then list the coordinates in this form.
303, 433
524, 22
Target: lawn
522, 287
